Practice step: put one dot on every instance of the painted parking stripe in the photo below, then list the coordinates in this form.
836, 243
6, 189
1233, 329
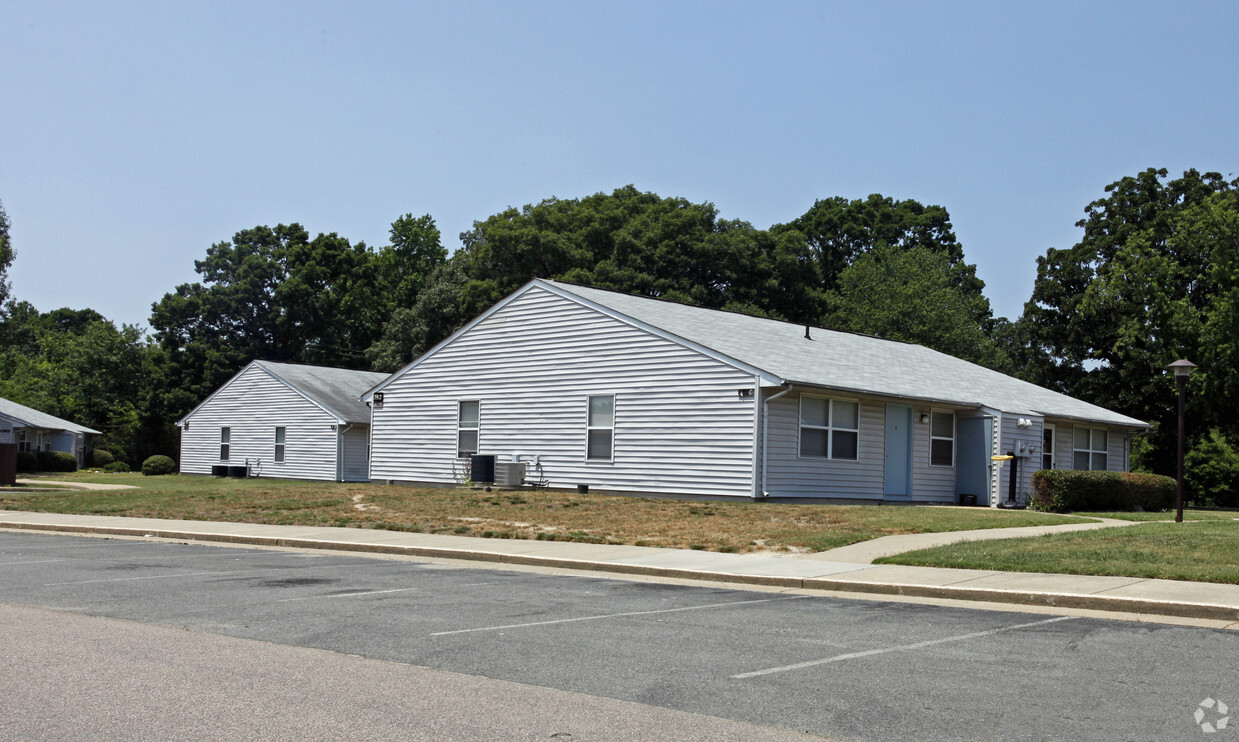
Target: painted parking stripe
148, 577
902, 648
618, 615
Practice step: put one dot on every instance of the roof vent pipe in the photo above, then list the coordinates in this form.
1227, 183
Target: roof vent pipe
806, 333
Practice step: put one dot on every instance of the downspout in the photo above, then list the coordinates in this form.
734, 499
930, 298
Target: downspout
340, 451
765, 439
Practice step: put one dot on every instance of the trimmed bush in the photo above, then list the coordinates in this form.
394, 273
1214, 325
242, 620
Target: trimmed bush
116, 466
1211, 472
101, 457
27, 461
158, 465
56, 461
1065, 491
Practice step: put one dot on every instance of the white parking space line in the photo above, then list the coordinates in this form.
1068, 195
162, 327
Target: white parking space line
148, 577
348, 595
901, 648
618, 615
39, 561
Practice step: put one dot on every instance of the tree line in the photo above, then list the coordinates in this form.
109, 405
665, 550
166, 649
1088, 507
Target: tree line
1154, 278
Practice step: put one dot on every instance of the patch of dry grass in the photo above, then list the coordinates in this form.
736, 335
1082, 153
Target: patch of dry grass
528, 514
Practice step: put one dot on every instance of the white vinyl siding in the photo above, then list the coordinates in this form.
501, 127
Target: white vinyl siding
532, 364
930, 483
793, 475
251, 406
600, 428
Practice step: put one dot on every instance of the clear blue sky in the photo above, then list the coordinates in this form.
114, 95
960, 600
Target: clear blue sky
135, 135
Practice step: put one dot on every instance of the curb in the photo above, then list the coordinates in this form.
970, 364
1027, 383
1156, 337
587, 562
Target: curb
990, 595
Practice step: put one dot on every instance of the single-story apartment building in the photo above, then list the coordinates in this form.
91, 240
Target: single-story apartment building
34, 431
631, 394
283, 420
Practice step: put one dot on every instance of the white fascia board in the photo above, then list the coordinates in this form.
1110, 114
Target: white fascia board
886, 395
369, 395
1136, 424
181, 423
765, 376
303, 395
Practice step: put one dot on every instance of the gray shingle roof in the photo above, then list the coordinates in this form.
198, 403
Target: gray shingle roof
32, 418
338, 390
846, 361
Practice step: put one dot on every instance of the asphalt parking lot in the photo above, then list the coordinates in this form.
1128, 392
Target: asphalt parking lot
856, 669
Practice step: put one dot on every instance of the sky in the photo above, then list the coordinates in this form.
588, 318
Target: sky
133, 136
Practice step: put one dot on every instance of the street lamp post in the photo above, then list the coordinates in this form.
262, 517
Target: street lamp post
1182, 369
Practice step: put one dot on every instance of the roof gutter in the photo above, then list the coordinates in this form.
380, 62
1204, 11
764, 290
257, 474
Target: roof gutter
762, 493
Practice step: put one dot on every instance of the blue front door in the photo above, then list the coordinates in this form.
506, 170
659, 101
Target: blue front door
898, 450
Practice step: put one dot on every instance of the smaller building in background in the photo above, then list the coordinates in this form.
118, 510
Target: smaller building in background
35, 431
283, 420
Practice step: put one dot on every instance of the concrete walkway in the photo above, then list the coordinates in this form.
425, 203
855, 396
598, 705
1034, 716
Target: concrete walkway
61, 484
865, 552
1217, 604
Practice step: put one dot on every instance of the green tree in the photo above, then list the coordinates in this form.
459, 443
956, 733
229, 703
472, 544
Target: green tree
77, 365
839, 232
1152, 280
909, 294
270, 293
626, 240
6, 255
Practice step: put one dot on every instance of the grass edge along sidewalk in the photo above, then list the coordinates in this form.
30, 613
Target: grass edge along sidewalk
1205, 550
705, 525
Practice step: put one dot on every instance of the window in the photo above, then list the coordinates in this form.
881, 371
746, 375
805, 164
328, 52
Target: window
942, 439
279, 445
225, 438
23, 441
1047, 447
600, 428
1091, 446
829, 428
467, 429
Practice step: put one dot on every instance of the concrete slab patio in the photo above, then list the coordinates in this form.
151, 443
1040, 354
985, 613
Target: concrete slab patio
1166, 598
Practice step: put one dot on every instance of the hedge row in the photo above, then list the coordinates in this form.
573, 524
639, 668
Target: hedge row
1065, 491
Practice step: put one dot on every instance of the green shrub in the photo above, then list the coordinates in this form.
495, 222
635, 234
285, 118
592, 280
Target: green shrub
1065, 491
27, 461
57, 461
157, 465
101, 457
1211, 472
116, 466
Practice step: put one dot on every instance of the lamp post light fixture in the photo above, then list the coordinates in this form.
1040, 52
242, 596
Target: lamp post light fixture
1182, 369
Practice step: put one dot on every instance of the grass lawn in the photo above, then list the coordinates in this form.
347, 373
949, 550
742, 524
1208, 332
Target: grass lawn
1203, 551
531, 514
1189, 514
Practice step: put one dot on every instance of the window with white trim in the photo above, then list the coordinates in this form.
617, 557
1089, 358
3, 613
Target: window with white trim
225, 441
1047, 446
600, 428
279, 445
829, 428
467, 428
941, 438
1091, 449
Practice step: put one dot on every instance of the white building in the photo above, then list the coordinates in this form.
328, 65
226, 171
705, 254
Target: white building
631, 394
35, 431
283, 420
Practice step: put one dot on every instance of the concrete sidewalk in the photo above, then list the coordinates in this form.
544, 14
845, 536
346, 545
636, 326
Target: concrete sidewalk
1194, 600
